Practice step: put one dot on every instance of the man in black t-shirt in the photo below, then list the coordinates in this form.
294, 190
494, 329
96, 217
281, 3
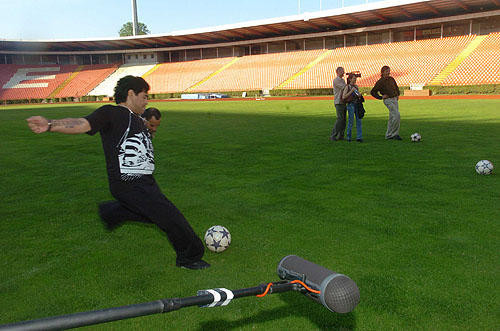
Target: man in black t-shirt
153, 119
130, 165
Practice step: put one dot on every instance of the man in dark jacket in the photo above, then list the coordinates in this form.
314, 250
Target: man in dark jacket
387, 89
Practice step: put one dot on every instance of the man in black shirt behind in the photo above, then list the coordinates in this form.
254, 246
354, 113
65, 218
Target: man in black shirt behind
130, 164
153, 119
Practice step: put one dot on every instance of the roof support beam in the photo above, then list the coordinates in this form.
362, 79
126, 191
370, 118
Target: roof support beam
291, 27
333, 22
258, 33
379, 16
239, 34
194, 41
219, 36
431, 8
461, 5
272, 29
140, 41
315, 26
405, 12
174, 40
355, 19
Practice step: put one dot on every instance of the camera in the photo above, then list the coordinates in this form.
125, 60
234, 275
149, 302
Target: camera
355, 73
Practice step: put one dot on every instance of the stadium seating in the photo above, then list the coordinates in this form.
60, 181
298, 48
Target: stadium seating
179, 76
84, 79
33, 81
411, 62
107, 86
481, 67
258, 72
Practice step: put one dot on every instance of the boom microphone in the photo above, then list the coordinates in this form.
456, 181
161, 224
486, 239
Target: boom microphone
338, 292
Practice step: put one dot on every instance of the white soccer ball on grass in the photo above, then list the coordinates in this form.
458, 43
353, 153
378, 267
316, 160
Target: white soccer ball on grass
217, 238
416, 137
484, 167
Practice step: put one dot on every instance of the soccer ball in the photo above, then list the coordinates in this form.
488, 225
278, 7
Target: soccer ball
217, 238
484, 167
416, 137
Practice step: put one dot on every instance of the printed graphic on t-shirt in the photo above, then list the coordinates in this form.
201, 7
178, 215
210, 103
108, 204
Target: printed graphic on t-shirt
136, 157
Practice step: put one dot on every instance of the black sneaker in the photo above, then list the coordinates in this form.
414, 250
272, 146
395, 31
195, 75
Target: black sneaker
107, 221
397, 138
197, 265
359, 140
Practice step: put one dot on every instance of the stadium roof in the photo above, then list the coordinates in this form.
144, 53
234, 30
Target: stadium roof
367, 15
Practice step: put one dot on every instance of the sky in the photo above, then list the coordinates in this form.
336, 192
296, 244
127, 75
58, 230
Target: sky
101, 19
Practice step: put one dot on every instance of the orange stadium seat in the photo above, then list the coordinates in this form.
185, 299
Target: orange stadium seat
411, 62
85, 79
482, 66
257, 72
31, 81
179, 76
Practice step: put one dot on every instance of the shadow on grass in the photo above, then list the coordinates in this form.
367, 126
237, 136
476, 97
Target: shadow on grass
296, 306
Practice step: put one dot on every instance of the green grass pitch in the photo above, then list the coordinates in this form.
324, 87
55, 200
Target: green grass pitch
411, 223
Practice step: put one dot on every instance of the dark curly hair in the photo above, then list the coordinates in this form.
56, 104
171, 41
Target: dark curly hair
135, 83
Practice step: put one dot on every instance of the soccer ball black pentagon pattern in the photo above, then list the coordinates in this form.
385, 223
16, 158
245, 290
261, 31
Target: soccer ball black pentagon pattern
416, 137
484, 167
217, 238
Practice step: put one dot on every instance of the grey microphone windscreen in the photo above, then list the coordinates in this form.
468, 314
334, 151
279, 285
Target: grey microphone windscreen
338, 292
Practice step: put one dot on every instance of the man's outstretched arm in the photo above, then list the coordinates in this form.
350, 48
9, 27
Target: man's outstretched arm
39, 124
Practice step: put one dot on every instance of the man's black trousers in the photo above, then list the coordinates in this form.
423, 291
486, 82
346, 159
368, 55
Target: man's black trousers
142, 200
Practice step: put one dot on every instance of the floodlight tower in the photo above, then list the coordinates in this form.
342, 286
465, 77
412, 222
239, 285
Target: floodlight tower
135, 28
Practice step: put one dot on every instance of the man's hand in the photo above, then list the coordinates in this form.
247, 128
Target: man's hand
38, 124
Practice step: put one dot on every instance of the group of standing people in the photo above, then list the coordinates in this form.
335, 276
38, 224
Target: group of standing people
347, 99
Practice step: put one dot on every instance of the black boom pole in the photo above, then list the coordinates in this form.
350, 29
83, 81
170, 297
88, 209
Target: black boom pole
205, 298
337, 292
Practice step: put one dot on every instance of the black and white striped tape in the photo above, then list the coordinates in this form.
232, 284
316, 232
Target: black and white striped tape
222, 296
